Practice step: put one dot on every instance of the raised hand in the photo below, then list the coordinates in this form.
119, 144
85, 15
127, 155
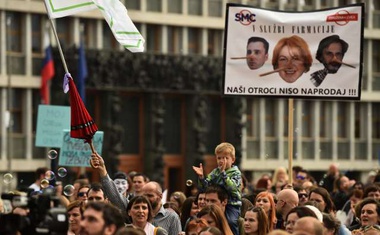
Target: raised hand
97, 163
199, 170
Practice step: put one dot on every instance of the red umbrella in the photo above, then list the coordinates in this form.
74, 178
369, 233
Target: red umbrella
82, 124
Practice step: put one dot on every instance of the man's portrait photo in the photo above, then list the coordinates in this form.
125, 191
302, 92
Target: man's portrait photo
257, 52
330, 53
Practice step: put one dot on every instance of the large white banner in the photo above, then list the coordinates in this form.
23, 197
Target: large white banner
315, 54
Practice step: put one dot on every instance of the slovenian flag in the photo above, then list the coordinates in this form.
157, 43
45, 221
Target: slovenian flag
47, 71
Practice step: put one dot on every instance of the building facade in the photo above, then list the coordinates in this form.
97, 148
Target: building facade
161, 110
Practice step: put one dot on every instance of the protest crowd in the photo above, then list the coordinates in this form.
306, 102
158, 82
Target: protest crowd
219, 202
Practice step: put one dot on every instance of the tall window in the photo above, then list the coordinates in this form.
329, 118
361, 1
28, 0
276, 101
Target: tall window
360, 130
215, 38
172, 125
215, 8
270, 122
375, 130
376, 64
14, 36
325, 130
109, 41
175, 6
154, 5
376, 121
195, 7
16, 123
343, 130
37, 44
87, 30
307, 119
174, 39
343, 116
376, 13
194, 35
154, 38
64, 32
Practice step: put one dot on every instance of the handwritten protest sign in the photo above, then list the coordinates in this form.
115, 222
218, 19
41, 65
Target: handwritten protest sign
74, 152
51, 121
313, 54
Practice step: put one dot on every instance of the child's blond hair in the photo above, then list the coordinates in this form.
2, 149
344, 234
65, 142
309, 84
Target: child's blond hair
225, 148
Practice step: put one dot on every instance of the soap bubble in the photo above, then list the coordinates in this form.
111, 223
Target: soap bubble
52, 154
49, 175
68, 190
44, 183
62, 172
7, 178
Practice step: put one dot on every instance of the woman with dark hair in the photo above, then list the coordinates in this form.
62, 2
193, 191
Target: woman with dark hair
256, 222
140, 214
214, 216
322, 197
189, 209
296, 213
368, 211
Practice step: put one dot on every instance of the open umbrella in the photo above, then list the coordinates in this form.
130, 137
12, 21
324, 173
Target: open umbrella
82, 124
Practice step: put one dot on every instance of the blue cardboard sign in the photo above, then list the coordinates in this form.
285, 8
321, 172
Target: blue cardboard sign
51, 120
75, 152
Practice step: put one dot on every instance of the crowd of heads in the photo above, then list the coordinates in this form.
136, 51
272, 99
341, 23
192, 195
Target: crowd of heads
276, 203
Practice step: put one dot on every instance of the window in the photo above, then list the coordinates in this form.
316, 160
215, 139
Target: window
14, 38
376, 13
215, 38
270, 114
376, 64
325, 130
37, 48
343, 116
130, 110
194, 35
87, 32
63, 31
376, 121
154, 35
375, 130
109, 41
215, 8
364, 81
195, 7
172, 125
174, 39
343, 130
175, 6
132, 4
307, 119
154, 5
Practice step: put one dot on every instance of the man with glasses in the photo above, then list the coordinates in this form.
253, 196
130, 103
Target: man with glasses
287, 199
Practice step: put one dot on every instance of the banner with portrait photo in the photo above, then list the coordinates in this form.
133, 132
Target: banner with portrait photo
314, 54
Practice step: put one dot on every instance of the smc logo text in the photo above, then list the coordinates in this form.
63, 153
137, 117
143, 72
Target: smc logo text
245, 17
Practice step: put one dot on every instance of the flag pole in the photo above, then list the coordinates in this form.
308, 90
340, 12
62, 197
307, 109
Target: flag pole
290, 140
57, 39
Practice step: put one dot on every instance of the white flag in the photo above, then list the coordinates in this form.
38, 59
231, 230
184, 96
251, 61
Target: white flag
121, 25
59, 8
114, 13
